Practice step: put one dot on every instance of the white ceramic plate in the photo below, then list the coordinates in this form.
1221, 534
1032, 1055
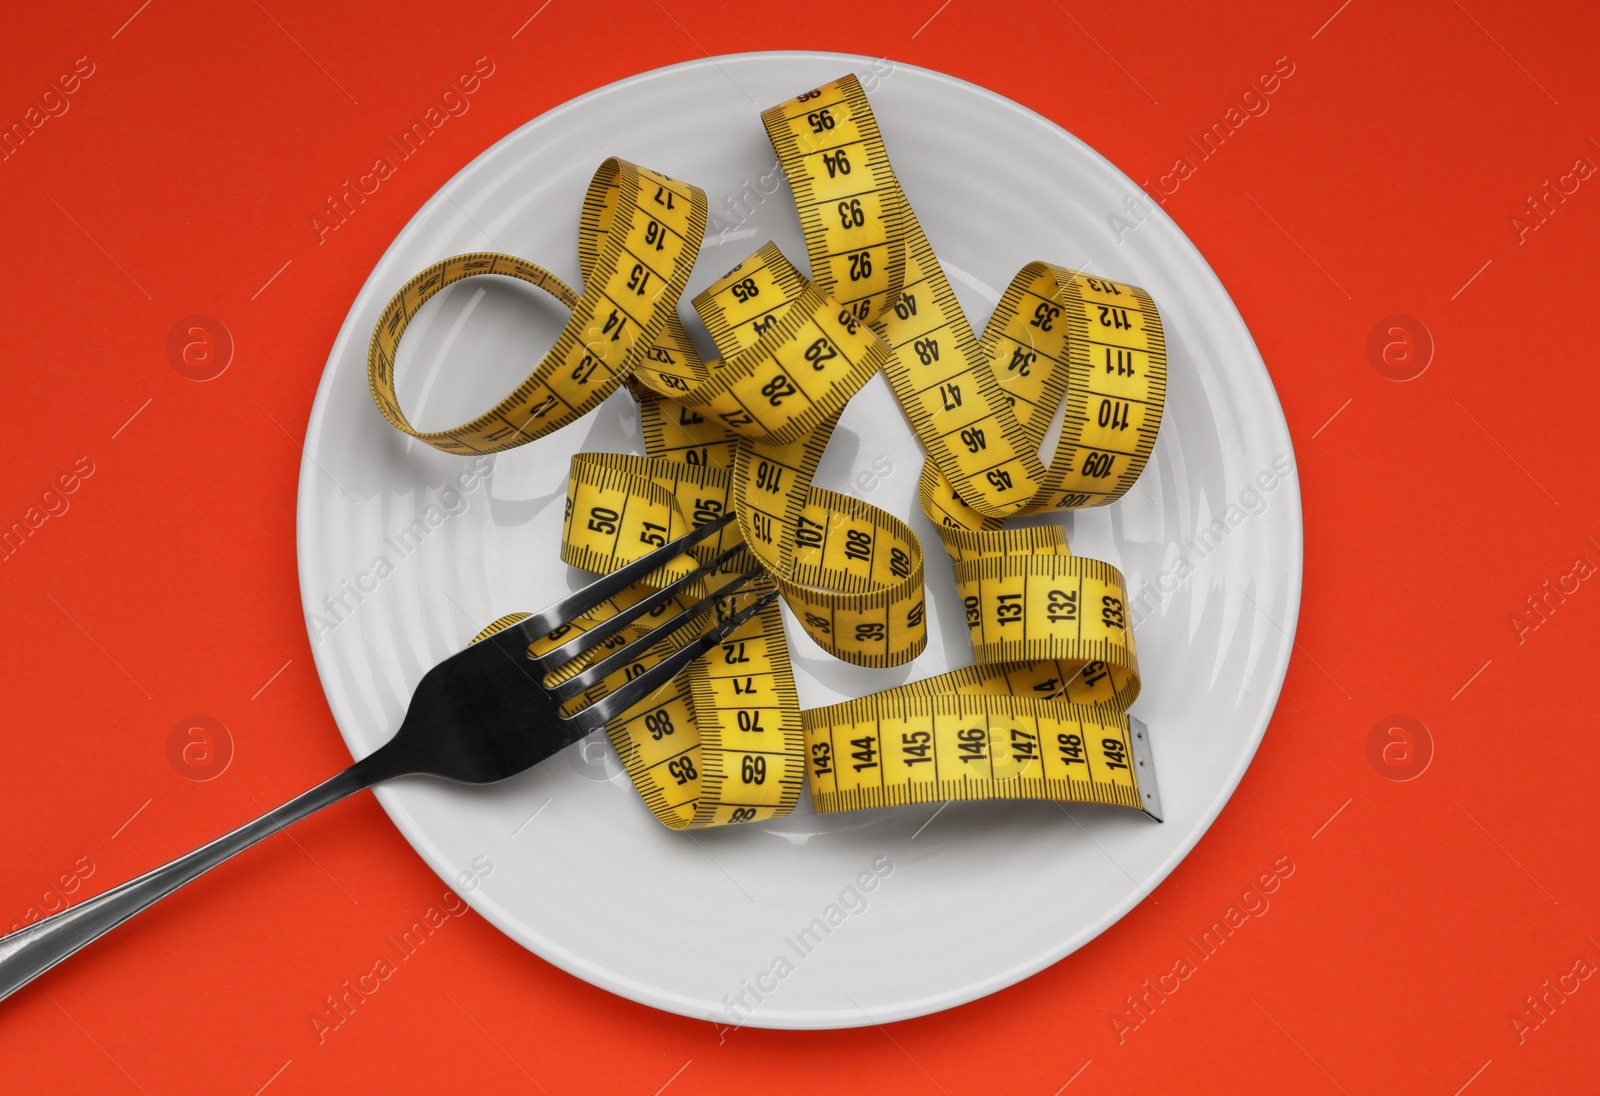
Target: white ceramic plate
565, 858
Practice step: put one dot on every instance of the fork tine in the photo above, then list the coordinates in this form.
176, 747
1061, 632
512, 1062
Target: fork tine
604, 629
581, 601
593, 675
658, 676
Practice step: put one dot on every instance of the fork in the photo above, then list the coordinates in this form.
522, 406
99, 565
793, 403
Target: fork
481, 715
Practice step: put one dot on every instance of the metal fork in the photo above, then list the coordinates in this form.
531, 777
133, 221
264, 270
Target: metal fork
481, 715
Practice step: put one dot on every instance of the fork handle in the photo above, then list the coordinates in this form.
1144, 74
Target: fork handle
29, 952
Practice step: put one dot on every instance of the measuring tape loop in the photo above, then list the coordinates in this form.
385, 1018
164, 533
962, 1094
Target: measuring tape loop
854, 579
1098, 344
793, 356
1041, 620
1042, 712
638, 276
864, 243
1026, 607
851, 573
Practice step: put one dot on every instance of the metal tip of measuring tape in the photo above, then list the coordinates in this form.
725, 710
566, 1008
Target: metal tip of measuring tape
1145, 768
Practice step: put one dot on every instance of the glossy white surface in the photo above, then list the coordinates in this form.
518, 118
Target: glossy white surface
565, 858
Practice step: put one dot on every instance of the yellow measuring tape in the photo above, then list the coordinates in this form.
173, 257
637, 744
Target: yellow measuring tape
1043, 711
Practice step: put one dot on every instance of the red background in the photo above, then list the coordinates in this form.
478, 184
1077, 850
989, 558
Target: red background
1385, 173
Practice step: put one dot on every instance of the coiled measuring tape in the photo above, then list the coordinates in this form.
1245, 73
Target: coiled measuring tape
1042, 713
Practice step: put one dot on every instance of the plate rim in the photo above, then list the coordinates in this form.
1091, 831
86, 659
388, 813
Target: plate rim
1275, 429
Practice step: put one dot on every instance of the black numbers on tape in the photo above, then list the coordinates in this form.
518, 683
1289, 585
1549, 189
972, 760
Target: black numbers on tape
1111, 611
769, 477
927, 350
809, 534
1024, 744
1008, 608
822, 351
821, 758
1098, 465
857, 544
1114, 414
899, 562
851, 214
778, 389
653, 534
860, 266
745, 289
638, 278
753, 769
1114, 317
917, 747
1061, 605
1044, 316
659, 724
603, 519
683, 769
837, 163
972, 743
1071, 749
821, 120
707, 510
